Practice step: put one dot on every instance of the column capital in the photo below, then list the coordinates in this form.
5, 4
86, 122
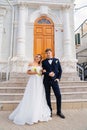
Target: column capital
65, 7
22, 5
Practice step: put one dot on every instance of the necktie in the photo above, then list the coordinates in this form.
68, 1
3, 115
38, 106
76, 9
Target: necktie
50, 58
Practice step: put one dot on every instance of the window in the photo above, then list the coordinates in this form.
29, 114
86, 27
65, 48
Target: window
77, 39
43, 21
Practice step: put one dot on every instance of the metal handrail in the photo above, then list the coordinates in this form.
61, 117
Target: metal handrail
9, 66
7, 70
79, 67
81, 25
80, 28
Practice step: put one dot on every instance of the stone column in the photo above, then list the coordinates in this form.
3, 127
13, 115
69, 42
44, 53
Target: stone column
21, 32
20, 61
2, 14
68, 61
58, 42
67, 36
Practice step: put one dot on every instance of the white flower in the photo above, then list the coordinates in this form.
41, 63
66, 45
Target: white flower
56, 61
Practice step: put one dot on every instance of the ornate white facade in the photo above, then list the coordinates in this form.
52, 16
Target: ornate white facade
17, 32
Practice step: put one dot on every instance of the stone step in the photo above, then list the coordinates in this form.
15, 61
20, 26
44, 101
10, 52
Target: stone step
63, 89
65, 76
12, 84
23, 84
65, 95
18, 75
25, 79
66, 104
73, 83
72, 95
10, 96
70, 79
73, 88
14, 74
12, 89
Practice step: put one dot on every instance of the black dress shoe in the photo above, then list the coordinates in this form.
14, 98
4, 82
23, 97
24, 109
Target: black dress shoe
61, 115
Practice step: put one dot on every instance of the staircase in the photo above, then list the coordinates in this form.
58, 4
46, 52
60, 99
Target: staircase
74, 92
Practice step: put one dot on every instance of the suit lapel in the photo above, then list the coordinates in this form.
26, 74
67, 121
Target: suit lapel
48, 62
53, 61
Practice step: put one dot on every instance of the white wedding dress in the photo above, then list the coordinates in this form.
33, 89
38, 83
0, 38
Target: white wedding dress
33, 106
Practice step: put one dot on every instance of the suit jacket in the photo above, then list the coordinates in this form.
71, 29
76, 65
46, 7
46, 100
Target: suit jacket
55, 67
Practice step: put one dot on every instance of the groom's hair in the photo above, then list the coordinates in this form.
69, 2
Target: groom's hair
48, 49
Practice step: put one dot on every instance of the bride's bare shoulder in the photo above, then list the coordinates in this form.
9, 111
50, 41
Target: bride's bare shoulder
30, 64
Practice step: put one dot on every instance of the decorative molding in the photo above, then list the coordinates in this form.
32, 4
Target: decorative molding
37, 4
22, 5
38, 13
59, 26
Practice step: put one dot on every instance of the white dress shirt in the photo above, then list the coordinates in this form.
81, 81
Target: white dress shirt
50, 61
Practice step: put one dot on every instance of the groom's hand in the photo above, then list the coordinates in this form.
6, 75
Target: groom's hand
51, 74
57, 80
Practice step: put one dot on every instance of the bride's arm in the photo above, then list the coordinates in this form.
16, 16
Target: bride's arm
29, 70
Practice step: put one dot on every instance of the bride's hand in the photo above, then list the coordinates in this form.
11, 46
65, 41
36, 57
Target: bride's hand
43, 70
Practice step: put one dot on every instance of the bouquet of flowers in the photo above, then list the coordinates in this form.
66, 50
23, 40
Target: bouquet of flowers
36, 70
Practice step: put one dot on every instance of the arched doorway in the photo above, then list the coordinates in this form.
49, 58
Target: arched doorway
43, 35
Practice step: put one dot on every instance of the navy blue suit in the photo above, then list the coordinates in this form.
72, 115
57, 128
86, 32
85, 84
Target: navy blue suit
50, 81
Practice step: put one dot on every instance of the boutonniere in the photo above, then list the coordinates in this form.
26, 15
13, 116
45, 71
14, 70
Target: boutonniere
56, 61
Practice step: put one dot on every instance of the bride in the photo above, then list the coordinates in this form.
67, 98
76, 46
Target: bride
33, 106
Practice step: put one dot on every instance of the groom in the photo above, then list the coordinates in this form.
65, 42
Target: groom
52, 73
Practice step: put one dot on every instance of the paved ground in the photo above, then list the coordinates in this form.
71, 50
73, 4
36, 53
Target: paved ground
75, 120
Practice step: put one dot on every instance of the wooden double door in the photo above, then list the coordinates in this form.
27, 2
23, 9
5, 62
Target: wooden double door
43, 35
